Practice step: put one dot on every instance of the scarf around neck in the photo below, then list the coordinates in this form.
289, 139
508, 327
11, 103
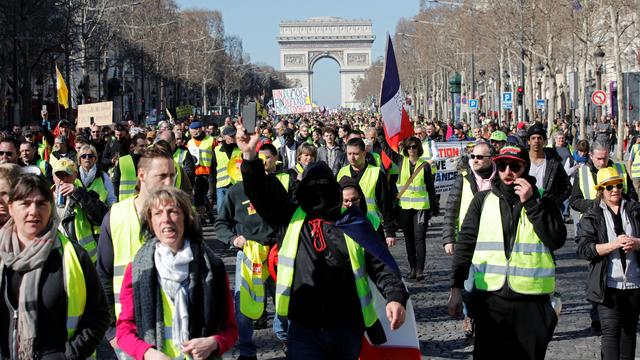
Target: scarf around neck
173, 275
29, 262
87, 177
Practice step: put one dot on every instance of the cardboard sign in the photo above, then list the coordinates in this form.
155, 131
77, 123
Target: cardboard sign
100, 114
184, 110
292, 101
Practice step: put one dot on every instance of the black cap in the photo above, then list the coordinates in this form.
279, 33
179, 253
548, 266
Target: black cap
513, 152
536, 129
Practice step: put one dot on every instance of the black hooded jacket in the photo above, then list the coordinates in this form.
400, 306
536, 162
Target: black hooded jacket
323, 290
543, 213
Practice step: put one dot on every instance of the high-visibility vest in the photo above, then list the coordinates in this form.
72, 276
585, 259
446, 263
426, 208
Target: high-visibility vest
202, 152
367, 183
169, 348
180, 155
416, 196
126, 239
177, 182
286, 267
97, 185
427, 153
377, 159
529, 270
128, 178
465, 199
587, 180
84, 233
222, 161
253, 273
284, 178
74, 285
42, 165
635, 165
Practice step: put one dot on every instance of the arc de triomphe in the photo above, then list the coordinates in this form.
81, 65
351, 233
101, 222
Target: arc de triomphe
348, 42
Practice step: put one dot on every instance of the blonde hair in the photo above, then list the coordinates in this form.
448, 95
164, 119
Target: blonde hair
10, 173
172, 195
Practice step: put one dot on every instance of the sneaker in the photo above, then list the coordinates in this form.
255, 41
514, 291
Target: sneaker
468, 326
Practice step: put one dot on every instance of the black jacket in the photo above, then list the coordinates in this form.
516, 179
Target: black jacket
454, 198
582, 205
89, 202
52, 311
593, 230
556, 182
543, 213
323, 290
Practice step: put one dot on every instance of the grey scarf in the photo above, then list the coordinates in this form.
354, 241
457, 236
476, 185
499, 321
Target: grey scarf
87, 177
29, 261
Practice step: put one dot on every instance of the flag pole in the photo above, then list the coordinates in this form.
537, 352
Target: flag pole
384, 66
56, 94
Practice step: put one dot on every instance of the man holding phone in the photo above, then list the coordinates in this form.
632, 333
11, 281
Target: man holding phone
513, 263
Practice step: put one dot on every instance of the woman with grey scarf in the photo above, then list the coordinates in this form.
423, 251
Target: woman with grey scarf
93, 178
51, 303
175, 294
608, 236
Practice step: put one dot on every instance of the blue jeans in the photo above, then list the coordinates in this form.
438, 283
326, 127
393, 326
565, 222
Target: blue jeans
245, 345
221, 194
319, 344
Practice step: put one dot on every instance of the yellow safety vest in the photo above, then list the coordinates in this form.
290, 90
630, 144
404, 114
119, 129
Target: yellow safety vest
177, 182
427, 153
253, 272
84, 233
465, 199
126, 239
222, 176
377, 159
169, 348
635, 165
284, 178
128, 178
416, 196
286, 267
74, 285
42, 165
203, 152
587, 180
367, 183
179, 156
529, 270
98, 186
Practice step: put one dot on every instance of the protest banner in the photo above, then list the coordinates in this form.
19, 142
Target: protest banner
184, 110
292, 101
447, 159
100, 114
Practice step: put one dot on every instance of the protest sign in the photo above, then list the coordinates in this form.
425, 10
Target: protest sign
100, 114
292, 101
184, 110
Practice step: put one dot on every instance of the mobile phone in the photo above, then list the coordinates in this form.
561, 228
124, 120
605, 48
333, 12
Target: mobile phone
250, 117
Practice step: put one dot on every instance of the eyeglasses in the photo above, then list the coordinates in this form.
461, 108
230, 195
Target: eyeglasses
6, 153
610, 187
502, 166
87, 156
412, 147
95, 132
479, 157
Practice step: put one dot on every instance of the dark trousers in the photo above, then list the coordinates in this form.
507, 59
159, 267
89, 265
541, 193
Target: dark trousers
414, 225
619, 319
306, 343
200, 190
511, 329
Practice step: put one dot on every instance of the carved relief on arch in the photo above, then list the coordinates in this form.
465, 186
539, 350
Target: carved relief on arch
295, 60
358, 59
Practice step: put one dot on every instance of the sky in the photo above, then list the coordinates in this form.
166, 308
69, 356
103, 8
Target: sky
257, 22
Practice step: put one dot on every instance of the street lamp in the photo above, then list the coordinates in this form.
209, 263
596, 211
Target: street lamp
598, 55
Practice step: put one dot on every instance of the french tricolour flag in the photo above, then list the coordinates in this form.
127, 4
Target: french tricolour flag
397, 126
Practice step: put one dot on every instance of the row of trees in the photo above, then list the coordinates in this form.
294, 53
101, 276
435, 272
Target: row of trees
509, 43
156, 54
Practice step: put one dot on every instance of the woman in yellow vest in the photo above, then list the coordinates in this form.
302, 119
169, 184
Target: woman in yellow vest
608, 238
92, 177
175, 296
417, 196
53, 306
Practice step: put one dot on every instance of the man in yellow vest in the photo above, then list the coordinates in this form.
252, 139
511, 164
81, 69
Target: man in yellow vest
240, 225
476, 175
125, 172
508, 237
227, 150
120, 236
375, 188
200, 146
322, 283
79, 209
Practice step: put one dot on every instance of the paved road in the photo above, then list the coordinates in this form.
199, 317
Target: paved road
440, 336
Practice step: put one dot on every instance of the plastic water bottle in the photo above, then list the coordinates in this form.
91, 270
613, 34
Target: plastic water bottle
556, 303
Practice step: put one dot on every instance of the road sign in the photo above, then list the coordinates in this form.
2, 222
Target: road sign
540, 104
599, 97
507, 98
473, 104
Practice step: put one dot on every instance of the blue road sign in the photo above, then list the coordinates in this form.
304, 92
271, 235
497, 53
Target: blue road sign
507, 98
473, 104
541, 104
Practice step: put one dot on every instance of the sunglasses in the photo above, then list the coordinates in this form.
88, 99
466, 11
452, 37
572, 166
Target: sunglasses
6, 153
412, 147
515, 167
87, 156
479, 157
610, 187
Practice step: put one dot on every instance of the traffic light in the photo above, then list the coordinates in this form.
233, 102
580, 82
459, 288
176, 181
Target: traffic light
520, 92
